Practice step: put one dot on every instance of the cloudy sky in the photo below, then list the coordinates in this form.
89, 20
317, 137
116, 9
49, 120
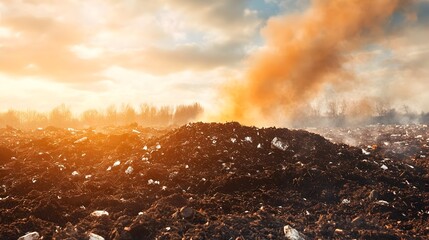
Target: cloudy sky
93, 53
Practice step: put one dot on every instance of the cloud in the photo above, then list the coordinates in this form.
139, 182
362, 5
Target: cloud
69, 41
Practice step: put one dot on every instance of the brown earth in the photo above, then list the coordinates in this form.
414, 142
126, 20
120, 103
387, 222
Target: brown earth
215, 181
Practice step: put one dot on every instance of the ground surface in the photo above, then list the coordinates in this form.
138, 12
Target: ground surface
215, 181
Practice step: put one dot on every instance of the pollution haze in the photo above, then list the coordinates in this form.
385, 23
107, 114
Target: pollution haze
271, 62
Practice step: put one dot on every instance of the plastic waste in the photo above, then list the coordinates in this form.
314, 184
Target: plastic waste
93, 236
293, 234
99, 213
279, 144
129, 170
30, 236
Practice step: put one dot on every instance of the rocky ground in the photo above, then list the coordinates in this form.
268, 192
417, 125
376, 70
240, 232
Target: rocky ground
215, 181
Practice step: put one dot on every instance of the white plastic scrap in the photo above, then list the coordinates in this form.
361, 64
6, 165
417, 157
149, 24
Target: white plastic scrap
292, 233
158, 146
365, 152
30, 236
81, 140
279, 144
259, 146
248, 139
88, 176
93, 236
117, 163
233, 140
345, 201
75, 173
382, 202
136, 131
129, 170
154, 182
384, 167
99, 213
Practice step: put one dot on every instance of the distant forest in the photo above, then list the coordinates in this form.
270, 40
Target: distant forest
335, 114
360, 113
62, 116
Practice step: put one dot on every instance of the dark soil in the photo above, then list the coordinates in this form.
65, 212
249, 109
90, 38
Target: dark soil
213, 181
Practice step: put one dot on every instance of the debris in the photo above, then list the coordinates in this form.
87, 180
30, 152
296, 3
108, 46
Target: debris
373, 195
279, 144
382, 202
129, 170
365, 152
81, 140
93, 236
293, 234
99, 213
30, 236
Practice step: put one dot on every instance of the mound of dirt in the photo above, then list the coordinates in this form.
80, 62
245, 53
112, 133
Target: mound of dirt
205, 181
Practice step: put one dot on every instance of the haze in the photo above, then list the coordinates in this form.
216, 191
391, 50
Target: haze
94, 53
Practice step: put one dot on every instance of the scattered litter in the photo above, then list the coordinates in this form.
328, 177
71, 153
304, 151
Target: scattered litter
30, 236
293, 234
233, 140
88, 176
279, 144
117, 163
248, 139
93, 236
99, 213
135, 131
345, 201
382, 202
384, 167
412, 167
129, 170
81, 140
365, 152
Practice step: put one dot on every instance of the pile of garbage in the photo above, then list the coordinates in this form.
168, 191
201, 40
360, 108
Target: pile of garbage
206, 181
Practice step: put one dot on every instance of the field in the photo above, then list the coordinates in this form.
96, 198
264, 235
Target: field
215, 181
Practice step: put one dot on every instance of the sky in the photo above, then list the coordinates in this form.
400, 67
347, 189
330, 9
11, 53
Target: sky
94, 53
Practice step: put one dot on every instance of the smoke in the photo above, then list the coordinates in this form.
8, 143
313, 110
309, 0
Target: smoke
303, 53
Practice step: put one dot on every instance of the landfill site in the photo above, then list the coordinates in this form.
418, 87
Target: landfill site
215, 181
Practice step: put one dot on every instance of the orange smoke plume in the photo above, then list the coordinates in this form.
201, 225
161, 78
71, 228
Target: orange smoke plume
302, 53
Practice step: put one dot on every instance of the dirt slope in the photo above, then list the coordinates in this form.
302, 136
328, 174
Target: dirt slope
205, 181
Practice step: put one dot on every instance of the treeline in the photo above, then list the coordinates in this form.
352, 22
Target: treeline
61, 116
356, 113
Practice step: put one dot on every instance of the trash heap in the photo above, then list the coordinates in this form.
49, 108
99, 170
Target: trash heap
205, 181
